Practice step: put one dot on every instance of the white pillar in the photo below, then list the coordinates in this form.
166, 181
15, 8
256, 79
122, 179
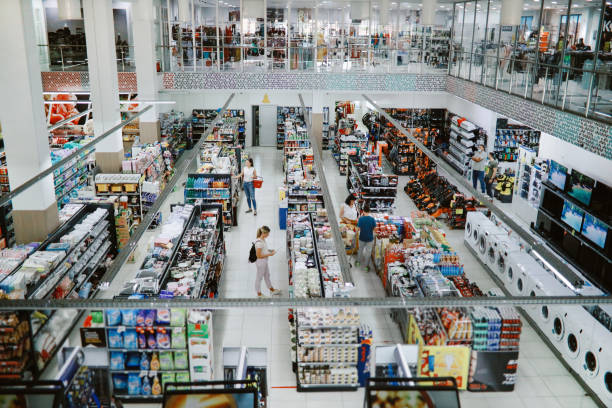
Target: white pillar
146, 70
23, 121
103, 81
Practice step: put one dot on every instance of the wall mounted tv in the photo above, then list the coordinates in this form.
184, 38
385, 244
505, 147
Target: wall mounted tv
581, 187
557, 175
572, 215
594, 230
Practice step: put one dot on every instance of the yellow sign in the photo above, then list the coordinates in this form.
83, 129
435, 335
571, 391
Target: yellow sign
266, 99
445, 361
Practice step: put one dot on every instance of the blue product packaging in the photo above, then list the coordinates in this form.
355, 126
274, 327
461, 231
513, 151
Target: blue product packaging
113, 317
130, 339
134, 384
115, 339
117, 360
129, 317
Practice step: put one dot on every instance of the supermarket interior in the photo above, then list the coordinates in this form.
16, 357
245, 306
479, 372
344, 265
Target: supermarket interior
307, 204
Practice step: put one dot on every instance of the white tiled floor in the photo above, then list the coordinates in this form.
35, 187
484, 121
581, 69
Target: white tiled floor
543, 381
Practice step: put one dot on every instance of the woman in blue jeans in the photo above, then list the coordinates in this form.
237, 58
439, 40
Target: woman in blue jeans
248, 174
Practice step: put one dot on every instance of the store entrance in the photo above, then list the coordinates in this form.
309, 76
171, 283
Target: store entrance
267, 125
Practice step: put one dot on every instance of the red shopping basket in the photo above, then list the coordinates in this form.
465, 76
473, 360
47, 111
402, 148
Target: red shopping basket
257, 182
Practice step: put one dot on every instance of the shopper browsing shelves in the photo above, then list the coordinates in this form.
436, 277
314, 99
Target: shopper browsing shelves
248, 174
263, 269
366, 224
478, 166
490, 174
348, 211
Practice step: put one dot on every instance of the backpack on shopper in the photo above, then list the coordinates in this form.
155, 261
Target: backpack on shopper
252, 254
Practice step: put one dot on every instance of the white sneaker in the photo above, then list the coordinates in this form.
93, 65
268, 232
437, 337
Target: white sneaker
276, 292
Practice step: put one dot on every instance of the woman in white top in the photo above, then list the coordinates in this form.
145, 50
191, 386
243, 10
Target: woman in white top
248, 174
263, 253
348, 211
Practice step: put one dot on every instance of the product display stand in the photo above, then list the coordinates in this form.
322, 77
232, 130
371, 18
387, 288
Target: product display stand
463, 139
230, 129
213, 188
366, 181
197, 265
509, 137
398, 361
303, 191
284, 114
346, 146
150, 348
129, 185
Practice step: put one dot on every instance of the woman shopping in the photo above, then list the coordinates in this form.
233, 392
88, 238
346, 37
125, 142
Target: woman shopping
263, 269
248, 174
348, 211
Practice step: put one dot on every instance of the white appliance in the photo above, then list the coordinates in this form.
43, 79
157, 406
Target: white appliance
595, 359
474, 220
520, 269
501, 249
487, 234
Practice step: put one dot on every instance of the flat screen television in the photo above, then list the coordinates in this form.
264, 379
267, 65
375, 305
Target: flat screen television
594, 230
572, 215
581, 187
557, 175
571, 245
552, 202
600, 201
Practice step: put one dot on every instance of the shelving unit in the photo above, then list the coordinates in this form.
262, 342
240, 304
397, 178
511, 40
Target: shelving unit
16, 338
68, 265
463, 139
197, 266
72, 176
128, 185
288, 115
7, 230
303, 190
379, 190
213, 188
230, 129
509, 137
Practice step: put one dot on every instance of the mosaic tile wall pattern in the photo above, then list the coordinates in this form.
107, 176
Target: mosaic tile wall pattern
79, 81
306, 81
588, 134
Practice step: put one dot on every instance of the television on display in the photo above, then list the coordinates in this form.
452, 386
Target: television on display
581, 187
212, 398
557, 175
572, 215
595, 230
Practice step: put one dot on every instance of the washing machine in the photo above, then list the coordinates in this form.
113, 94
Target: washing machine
543, 284
595, 360
520, 270
474, 220
488, 233
497, 253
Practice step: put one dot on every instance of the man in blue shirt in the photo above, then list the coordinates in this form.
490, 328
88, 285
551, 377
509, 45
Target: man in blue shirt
366, 224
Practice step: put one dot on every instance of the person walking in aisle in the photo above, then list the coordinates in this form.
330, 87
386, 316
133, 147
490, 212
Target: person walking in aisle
366, 224
248, 174
263, 269
490, 174
348, 211
478, 167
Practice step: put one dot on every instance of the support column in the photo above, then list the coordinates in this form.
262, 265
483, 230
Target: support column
24, 126
146, 70
104, 85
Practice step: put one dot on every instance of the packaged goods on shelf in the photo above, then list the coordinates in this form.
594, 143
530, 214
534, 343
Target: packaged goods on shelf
198, 263
154, 269
149, 348
464, 136
303, 189
287, 119
346, 146
366, 181
228, 129
72, 176
508, 138
15, 337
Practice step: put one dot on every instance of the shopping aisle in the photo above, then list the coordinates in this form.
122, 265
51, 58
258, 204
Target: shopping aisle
542, 380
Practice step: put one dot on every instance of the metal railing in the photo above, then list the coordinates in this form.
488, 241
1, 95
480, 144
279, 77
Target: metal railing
74, 57
584, 91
